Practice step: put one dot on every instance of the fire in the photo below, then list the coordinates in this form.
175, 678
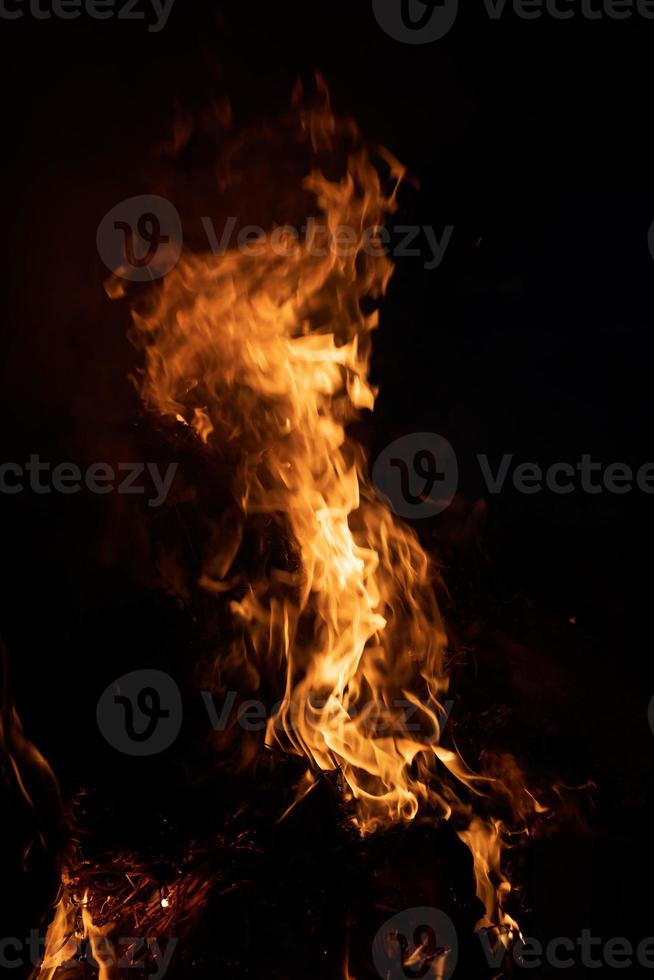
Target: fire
34, 823
60, 940
72, 935
266, 358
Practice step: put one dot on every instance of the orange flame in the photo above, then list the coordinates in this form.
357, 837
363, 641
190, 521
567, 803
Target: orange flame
72, 924
267, 358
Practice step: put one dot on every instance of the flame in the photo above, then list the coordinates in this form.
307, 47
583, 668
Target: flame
23, 766
266, 358
60, 939
72, 931
101, 948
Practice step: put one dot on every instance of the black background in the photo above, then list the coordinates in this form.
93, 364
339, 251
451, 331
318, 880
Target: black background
531, 138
